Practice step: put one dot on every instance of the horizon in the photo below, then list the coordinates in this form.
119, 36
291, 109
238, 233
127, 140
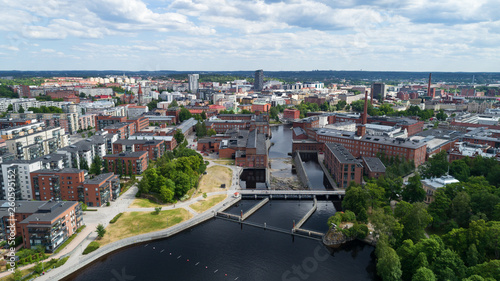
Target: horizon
149, 35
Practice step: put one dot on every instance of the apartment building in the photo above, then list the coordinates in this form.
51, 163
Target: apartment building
102, 121
57, 184
37, 144
97, 191
85, 150
155, 148
23, 130
126, 163
67, 121
16, 174
86, 121
124, 130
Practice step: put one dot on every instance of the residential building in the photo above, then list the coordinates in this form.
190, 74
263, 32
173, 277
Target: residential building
124, 130
43, 223
103, 121
259, 80
193, 82
129, 162
37, 144
97, 191
16, 174
155, 148
57, 184
378, 91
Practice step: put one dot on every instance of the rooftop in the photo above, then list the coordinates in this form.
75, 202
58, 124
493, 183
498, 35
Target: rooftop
41, 210
374, 164
100, 178
128, 154
341, 153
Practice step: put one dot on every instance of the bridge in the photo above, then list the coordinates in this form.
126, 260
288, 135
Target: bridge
291, 194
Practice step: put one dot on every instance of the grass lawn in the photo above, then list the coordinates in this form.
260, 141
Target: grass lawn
224, 161
135, 223
10, 277
209, 202
216, 175
145, 203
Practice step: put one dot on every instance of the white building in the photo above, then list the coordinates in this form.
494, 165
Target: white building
193, 82
16, 174
37, 144
134, 111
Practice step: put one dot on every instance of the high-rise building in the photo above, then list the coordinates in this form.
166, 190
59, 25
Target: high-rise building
193, 82
259, 80
378, 91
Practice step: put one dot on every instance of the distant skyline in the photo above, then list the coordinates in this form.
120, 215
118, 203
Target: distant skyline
225, 35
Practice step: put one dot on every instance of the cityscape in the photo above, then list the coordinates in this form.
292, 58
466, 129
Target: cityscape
249, 140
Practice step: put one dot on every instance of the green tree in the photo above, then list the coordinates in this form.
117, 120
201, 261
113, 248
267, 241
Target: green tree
439, 209
95, 167
157, 210
10, 108
130, 169
460, 170
173, 104
437, 165
100, 230
119, 167
211, 132
83, 164
201, 129
184, 114
413, 192
423, 274
388, 264
179, 136
461, 210
414, 218
21, 109
17, 275
356, 199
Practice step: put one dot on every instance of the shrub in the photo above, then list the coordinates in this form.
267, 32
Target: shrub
91, 247
116, 218
81, 228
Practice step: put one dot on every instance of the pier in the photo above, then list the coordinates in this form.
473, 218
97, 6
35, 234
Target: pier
327, 194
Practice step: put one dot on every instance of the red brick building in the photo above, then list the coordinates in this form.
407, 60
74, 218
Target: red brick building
140, 123
342, 165
50, 224
154, 148
261, 107
373, 167
307, 123
124, 130
315, 99
97, 191
72, 98
291, 114
57, 184
60, 94
103, 121
135, 161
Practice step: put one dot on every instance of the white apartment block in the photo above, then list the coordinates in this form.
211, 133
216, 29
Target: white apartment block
38, 144
16, 174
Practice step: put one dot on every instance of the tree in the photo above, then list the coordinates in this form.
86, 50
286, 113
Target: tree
441, 115
184, 114
179, 136
95, 167
388, 265
10, 108
413, 192
21, 109
461, 209
211, 132
414, 218
17, 275
119, 167
83, 164
173, 104
204, 195
439, 209
437, 165
100, 230
201, 129
340, 105
130, 169
460, 170
356, 199
423, 274
157, 210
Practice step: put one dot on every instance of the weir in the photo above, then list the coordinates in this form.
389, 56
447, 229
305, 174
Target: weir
307, 216
254, 208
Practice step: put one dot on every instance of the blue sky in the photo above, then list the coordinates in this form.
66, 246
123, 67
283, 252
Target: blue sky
212, 35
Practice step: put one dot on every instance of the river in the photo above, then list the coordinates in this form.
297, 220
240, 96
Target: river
224, 250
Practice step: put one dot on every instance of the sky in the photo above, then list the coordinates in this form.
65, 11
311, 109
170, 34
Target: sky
225, 35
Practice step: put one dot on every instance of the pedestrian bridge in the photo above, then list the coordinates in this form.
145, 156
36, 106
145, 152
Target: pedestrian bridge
292, 194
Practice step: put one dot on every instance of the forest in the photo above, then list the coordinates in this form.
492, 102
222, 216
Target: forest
456, 237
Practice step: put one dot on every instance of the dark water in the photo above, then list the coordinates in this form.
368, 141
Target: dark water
213, 249
282, 139
315, 174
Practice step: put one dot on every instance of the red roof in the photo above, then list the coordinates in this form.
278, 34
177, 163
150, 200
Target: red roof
215, 106
196, 111
103, 97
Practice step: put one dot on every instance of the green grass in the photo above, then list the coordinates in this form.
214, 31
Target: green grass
91, 247
116, 218
135, 223
145, 203
202, 206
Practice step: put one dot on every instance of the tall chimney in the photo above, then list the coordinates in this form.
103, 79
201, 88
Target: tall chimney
362, 127
429, 86
365, 110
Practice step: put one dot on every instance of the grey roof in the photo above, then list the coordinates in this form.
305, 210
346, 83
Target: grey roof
298, 131
441, 133
127, 154
187, 124
131, 142
63, 171
384, 140
341, 153
117, 125
52, 157
50, 211
235, 115
374, 164
44, 210
98, 179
